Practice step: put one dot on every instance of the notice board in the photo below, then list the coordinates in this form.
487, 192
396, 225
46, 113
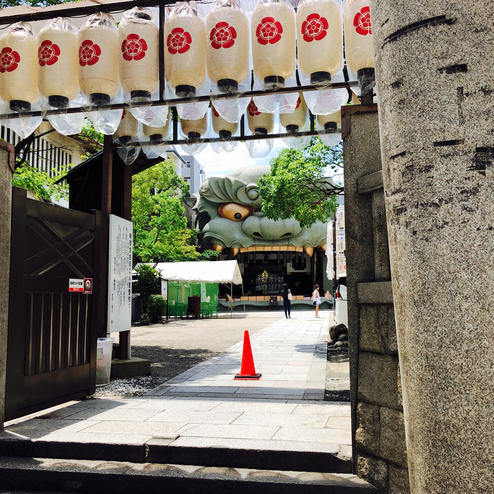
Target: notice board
119, 275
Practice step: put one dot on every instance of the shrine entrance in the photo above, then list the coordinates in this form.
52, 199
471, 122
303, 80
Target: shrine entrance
52, 333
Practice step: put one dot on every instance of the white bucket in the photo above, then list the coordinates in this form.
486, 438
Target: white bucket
103, 360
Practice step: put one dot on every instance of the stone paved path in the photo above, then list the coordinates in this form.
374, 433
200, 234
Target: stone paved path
205, 407
290, 354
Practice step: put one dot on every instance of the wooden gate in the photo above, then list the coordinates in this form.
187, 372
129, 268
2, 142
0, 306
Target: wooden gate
51, 353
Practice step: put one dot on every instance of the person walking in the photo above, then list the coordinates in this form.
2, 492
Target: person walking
316, 299
287, 300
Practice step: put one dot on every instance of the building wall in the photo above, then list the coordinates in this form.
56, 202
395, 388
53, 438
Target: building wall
191, 171
379, 448
50, 152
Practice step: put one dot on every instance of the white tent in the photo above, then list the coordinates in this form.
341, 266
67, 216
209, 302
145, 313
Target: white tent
201, 271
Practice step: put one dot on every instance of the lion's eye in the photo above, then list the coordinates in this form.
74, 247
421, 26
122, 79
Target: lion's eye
234, 212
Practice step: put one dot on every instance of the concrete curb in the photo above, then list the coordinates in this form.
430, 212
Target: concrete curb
104, 477
159, 451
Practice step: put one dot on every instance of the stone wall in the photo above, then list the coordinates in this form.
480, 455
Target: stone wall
379, 450
6, 164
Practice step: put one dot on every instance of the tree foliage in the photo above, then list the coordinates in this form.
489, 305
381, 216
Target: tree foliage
148, 282
298, 185
91, 138
39, 183
148, 287
155, 310
160, 225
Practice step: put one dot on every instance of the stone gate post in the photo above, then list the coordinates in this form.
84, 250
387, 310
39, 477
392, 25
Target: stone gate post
434, 69
6, 167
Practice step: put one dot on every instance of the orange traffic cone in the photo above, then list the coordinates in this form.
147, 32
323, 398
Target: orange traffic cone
247, 369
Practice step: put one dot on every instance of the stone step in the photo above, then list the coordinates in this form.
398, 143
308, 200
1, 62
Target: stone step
159, 450
92, 476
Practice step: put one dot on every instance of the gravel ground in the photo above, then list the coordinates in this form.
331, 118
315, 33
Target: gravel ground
181, 344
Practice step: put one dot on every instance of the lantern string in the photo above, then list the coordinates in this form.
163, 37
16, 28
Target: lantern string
176, 101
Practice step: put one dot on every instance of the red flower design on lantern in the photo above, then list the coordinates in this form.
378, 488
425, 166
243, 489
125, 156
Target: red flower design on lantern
134, 47
362, 21
222, 35
48, 53
268, 31
9, 59
315, 27
252, 109
89, 53
178, 41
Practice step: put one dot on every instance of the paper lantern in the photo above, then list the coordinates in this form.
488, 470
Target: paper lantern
331, 121
57, 58
127, 130
273, 42
320, 39
185, 50
157, 133
19, 67
359, 47
98, 58
223, 128
294, 121
259, 123
227, 45
138, 39
194, 129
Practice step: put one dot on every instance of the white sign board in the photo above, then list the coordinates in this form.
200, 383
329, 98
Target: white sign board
340, 265
164, 289
76, 285
119, 275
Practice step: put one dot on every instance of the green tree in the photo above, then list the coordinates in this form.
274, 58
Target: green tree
148, 287
298, 185
160, 226
39, 183
91, 138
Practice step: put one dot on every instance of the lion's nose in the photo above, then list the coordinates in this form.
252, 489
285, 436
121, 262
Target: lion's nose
261, 227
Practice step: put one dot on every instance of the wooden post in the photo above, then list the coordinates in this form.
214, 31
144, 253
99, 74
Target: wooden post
107, 176
101, 285
126, 212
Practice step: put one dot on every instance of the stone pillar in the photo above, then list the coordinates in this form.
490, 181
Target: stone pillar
378, 431
6, 166
434, 69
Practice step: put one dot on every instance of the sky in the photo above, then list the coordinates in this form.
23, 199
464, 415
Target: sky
224, 163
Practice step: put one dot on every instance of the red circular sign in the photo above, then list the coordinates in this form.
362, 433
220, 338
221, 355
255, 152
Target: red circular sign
222, 36
134, 47
178, 41
269, 31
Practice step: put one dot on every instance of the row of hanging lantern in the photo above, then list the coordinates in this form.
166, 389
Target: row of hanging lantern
213, 125
99, 58
259, 123
154, 141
